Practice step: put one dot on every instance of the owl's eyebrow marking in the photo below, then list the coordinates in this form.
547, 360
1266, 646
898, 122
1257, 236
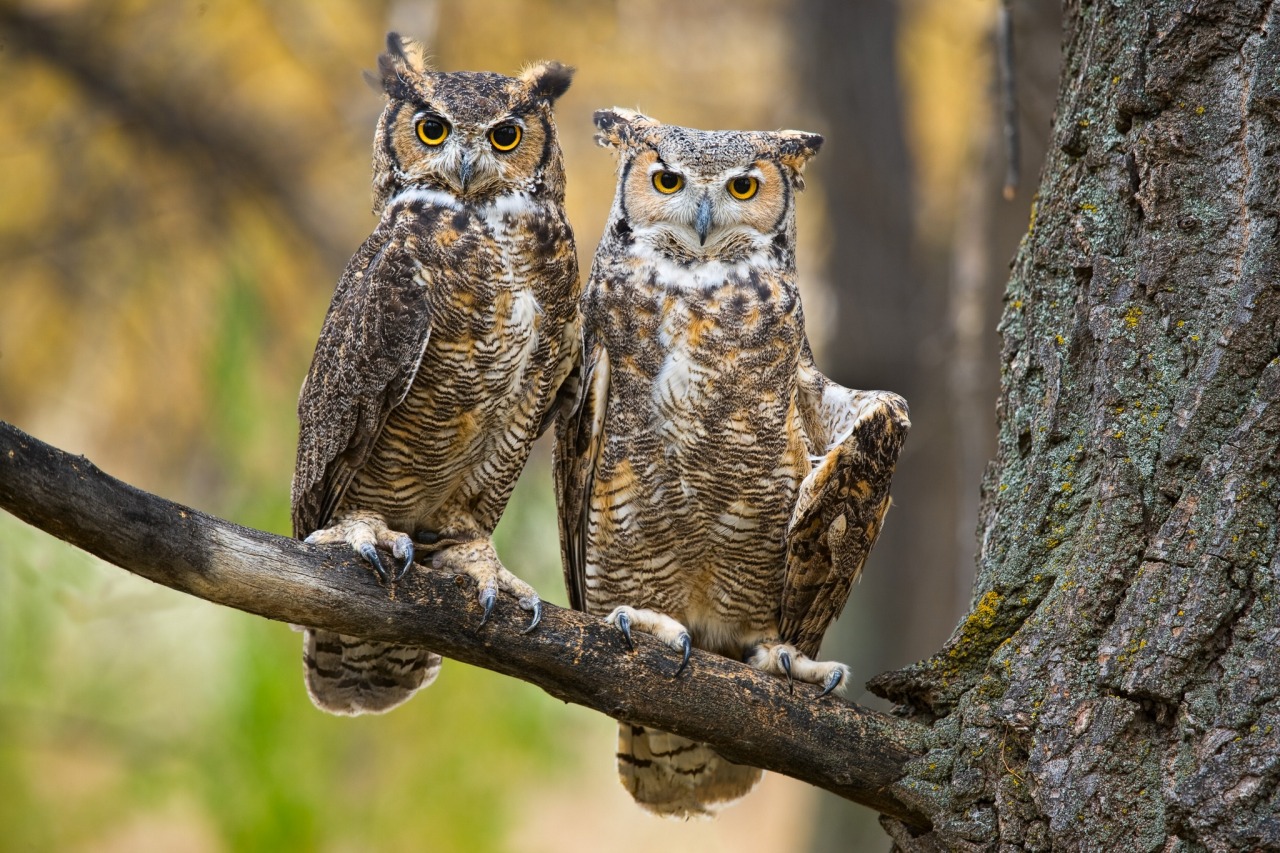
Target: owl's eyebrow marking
659, 166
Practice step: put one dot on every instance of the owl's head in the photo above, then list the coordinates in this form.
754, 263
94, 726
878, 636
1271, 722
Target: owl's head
692, 195
474, 135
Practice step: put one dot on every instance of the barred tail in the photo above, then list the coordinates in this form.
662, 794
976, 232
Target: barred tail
349, 676
675, 777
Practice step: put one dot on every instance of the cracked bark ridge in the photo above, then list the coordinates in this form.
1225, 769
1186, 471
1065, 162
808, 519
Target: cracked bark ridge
746, 715
1115, 684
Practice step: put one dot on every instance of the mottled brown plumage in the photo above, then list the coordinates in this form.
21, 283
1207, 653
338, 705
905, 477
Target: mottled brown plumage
715, 488
449, 337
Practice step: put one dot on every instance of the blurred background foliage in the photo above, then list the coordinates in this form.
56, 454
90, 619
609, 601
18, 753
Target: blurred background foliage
180, 186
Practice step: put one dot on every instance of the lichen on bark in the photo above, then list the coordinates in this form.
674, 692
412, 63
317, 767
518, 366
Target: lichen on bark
1114, 686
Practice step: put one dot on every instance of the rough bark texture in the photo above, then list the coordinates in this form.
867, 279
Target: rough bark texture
1114, 685
749, 717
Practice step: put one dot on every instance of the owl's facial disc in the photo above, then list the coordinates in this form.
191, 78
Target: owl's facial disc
474, 158
475, 135
702, 212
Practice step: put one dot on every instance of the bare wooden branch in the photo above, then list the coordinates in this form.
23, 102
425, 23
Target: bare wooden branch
745, 715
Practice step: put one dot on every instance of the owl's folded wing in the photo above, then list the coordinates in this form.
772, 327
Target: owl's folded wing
579, 438
855, 438
368, 354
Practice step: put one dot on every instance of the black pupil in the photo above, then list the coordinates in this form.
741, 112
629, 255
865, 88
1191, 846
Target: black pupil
433, 129
669, 180
742, 186
505, 136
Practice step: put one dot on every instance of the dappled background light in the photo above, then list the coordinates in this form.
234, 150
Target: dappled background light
180, 187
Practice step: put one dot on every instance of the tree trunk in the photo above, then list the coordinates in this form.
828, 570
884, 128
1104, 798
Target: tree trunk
1114, 685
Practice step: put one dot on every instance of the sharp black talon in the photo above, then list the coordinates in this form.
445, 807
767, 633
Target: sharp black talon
370, 553
624, 625
537, 617
833, 681
488, 598
784, 658
687, 644
408, 561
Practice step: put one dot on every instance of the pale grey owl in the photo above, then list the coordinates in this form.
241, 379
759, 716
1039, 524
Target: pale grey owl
448, 339
715, 489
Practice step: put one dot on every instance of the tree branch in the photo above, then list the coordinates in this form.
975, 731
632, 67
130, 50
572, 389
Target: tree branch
747, 716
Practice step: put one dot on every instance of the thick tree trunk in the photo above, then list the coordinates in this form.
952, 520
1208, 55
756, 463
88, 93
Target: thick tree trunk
1114, 685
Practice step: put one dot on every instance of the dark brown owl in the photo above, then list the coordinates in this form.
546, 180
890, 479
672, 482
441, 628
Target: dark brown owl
449, 337
716, 490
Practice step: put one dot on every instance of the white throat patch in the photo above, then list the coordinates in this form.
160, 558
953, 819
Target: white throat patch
511, 204
431, 198
700, 275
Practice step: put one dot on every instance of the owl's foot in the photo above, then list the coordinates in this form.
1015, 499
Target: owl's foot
477, 559
660, 625
784, 661
365, 533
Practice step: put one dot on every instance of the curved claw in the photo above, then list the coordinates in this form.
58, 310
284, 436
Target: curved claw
687, 644
370, 553
537, 616
406, 545
624, 625
833, 681
784, 658
488, 598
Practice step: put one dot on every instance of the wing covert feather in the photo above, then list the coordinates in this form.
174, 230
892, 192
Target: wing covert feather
368, 353
841, 504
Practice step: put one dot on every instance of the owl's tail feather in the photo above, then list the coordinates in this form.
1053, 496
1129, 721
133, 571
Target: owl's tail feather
675, 777
350, 676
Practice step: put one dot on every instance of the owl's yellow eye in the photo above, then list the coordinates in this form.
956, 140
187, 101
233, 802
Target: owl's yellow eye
505, 137
743, 188
432, 131
667, 182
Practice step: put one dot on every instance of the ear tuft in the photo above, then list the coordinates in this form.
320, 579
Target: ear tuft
795, 147
404, 57
547, 80
618, 127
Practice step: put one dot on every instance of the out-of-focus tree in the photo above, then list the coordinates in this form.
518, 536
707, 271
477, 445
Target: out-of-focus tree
882, 308
914, 262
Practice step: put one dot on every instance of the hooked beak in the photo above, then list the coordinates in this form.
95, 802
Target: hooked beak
702, 223
465, 171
